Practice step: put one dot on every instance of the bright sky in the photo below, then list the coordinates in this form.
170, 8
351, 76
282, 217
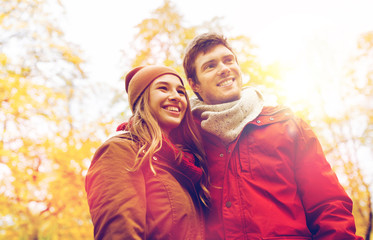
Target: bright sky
279, 27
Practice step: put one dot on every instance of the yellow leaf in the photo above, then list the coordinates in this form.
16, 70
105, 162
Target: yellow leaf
3, 57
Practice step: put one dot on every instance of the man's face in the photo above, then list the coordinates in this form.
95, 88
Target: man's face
219, 76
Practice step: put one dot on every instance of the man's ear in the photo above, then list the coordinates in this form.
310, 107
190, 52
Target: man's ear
193, 85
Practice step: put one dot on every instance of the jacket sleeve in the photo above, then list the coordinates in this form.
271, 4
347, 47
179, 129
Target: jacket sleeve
116, 196
328, 208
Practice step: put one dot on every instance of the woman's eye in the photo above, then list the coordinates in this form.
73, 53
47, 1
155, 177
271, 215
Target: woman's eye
181, 92
162, 88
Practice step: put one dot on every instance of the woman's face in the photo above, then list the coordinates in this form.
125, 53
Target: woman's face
167, 101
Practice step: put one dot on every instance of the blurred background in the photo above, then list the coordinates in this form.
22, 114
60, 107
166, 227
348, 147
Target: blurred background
62, 92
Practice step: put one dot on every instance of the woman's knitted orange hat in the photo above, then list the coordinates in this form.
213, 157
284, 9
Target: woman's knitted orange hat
139, 78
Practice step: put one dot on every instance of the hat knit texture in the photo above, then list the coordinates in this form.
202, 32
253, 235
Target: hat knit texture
139, 78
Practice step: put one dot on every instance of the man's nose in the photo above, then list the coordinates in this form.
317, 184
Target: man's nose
223, 70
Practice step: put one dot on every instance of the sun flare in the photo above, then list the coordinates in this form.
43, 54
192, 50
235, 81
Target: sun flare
309, 54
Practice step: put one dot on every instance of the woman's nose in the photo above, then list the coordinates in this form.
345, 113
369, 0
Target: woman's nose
174, 96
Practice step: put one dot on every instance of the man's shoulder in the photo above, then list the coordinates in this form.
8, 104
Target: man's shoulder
273, 114
274, 110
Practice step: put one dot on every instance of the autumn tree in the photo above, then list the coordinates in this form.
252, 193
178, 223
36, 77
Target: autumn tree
44, 148
162, 39
358, 121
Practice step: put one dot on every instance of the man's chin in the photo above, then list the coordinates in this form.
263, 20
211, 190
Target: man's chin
231, 97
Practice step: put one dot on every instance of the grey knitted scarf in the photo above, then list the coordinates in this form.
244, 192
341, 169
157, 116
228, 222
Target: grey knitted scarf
227, 120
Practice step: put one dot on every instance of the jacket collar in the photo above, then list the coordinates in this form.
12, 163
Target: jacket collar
271, 115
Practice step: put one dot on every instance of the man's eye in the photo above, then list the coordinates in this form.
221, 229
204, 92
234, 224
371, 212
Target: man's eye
229, 60
209, 66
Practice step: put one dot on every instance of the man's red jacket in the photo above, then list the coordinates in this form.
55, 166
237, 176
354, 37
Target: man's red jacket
273, 182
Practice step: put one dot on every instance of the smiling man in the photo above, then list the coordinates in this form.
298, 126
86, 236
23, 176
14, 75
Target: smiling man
225, 88
269, 178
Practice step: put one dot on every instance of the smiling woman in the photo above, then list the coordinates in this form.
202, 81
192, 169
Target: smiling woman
150, 181
168, 101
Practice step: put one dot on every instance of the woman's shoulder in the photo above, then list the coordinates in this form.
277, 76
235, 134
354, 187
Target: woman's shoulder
123, 136
118, 148
122, 141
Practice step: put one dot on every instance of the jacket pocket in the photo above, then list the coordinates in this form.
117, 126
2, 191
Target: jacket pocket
243, 159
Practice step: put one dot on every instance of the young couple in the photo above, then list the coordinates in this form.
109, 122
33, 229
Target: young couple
222, 166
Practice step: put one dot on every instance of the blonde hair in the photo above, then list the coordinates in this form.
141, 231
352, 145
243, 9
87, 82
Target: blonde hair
146, 131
